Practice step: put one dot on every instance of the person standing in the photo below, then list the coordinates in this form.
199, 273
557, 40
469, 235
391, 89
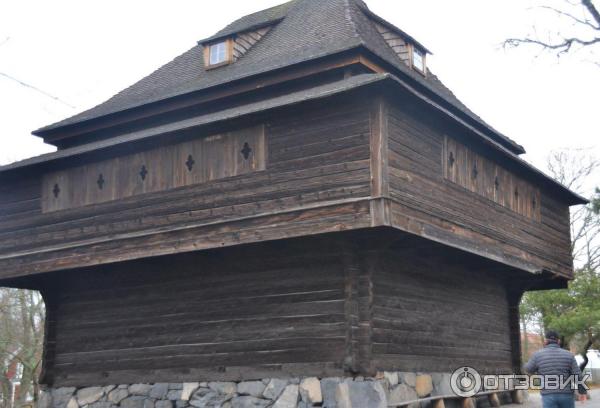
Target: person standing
554, 361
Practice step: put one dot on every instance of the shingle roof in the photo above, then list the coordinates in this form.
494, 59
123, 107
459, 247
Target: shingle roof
304, 30
259, 19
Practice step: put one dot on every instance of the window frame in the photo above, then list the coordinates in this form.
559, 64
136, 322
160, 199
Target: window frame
422, 54
227, 50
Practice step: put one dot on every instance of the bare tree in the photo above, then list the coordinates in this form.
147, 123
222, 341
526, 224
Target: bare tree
575, 169
575, 311
21, 337
584, 30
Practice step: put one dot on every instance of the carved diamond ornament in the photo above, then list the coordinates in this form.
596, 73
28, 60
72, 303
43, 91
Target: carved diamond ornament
451, 159
246, 150
100, 181
143, 172
190, 163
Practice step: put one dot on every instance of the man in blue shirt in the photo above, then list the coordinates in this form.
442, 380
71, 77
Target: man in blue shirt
552, 362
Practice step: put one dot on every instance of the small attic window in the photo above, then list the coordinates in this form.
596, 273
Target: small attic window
418, 59
218, 53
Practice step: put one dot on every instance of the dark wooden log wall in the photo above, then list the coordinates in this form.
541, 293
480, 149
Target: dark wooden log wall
434, 314
317, 155
164, 168
426, 203
333, 305
274, 309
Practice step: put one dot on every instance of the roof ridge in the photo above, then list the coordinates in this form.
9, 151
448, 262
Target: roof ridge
350, 18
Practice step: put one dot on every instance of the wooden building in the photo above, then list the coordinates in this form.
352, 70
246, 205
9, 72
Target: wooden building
296, 196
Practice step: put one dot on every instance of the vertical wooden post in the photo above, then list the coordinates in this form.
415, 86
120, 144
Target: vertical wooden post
358, 289
494, 400
351, 272
514, 298
517, 396
379, 161
439, 403
49, 296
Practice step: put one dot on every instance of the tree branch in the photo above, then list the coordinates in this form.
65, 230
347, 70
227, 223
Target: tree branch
592, 10
571, 16
566, 44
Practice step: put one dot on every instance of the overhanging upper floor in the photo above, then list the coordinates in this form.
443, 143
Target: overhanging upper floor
353, 153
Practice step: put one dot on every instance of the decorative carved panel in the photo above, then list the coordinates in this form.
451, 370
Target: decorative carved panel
193, 162
480, 175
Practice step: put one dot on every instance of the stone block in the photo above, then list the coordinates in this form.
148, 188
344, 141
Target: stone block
44, 400
206, 397
174, 395
163, 404
117, 395
423, 385
310, 390
409, 379
101, 404
89, 395
247, 401
367, 394
401, 393
61, 396
342, 396
140, 389
288, 398
108, 388
441, 384
274, 388
328, 389
252, 388
188, 389
159, 391
134, 402
225, 388
391, 377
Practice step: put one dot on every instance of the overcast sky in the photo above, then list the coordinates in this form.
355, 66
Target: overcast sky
82, 52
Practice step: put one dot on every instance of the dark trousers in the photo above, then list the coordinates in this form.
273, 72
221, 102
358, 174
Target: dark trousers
562, 400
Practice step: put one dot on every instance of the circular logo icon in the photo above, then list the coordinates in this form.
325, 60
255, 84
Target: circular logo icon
465, 381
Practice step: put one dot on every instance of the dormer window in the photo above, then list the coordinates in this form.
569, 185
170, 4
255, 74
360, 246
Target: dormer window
217, 54
418, 59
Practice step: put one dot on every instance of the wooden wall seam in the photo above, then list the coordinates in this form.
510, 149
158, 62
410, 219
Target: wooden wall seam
378, 146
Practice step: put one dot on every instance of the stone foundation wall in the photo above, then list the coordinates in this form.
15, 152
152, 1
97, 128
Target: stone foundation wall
388, 388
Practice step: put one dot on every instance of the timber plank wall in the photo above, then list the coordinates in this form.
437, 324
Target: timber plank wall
431, 314
343, 163
426, 203
330, 305
317, 156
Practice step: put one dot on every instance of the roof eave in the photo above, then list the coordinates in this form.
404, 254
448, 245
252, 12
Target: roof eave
570, 197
